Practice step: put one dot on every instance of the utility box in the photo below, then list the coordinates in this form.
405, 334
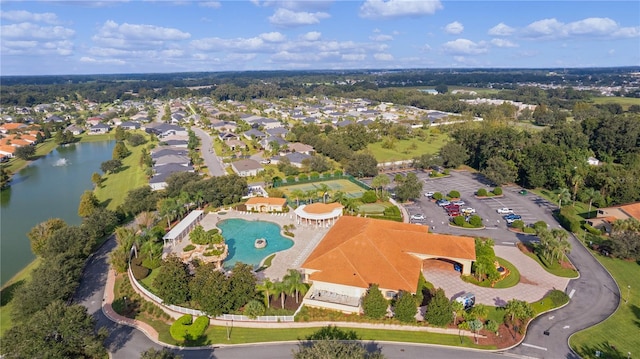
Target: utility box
467, 300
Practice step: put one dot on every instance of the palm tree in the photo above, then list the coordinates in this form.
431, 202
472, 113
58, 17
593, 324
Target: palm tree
198, 197
563, 196
297, 194
266, 288
591, 194
322, 187
458, 310
380, 181
576, 181
294, 283
280, 288
480, 311
168, 209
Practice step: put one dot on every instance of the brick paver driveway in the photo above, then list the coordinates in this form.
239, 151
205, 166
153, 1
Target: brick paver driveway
534, 284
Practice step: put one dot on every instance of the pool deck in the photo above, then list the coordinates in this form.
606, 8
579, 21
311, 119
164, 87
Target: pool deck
306, 239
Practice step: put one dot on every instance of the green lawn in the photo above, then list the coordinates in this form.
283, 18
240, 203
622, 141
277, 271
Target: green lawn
116, 186
555, 269
511, 280
408, 149
239, 335
622, 329
349, 188
6, 294
15, 164
625, 102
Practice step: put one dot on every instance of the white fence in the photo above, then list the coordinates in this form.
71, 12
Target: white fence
198, 313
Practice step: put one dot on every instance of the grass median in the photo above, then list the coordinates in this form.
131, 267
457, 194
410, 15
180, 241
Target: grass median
619, 334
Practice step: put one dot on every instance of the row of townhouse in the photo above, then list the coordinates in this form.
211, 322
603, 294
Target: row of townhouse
171, 156
15, 135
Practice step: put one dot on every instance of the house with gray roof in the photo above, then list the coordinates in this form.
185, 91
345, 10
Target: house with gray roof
130, 125
277, 131
267, 142
253, 133
99, 129
295, 158
246, 168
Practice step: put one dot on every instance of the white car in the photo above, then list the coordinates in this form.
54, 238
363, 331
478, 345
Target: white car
418, 217
468, 210
429, 194
265, 162
459, 202
504, 210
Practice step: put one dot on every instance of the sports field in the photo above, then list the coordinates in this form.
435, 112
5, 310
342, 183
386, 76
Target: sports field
349, 188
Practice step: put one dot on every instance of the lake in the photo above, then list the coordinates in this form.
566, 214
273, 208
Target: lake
48, 188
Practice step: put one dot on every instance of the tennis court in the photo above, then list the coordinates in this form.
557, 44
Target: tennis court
349, 188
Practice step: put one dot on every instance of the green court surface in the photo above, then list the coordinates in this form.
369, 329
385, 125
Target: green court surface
349, 188
372, 208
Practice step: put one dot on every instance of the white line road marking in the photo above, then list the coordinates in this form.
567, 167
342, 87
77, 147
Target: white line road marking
572, 293
551, 317
566, 327
511, 243
534, 346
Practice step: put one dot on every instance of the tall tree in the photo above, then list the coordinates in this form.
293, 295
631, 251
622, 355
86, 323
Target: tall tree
373, 303
405, 308
380, 182
563, 195
439, 309
58, 331
362, 165
40, 234
172, 281
88, 204
453, 154
295, 284
266, 288
242, 283
210, 290
410, 188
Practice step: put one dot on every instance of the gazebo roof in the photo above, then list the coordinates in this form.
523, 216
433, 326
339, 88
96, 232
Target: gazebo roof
318, 211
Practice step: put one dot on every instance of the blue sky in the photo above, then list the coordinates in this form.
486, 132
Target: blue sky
100, 37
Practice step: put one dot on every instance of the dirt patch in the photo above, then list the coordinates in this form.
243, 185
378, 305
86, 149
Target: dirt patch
567, 265
289, 302
505, 337
525, 248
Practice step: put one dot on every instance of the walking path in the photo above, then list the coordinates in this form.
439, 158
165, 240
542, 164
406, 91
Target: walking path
534, 284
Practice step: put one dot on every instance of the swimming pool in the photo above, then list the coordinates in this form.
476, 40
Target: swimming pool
240, 236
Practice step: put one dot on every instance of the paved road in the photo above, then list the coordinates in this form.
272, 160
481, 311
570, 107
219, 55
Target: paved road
208, 154
595, 296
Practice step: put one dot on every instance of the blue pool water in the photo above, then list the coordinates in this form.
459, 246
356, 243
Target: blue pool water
240, 236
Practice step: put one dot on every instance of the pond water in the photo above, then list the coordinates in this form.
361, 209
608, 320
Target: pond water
48, 188
240, 235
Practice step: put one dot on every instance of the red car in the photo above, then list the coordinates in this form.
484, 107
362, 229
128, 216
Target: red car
452, 207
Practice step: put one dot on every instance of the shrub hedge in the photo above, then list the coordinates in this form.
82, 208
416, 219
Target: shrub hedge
565, 217
437, 196
188, 247
139, 272
497, 191
454, 194
481, 192
184, 328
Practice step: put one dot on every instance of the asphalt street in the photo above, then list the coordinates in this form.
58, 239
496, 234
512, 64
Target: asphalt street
208, 153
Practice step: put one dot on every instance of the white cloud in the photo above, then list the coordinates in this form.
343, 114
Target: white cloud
296, 4
598, 27
311, 36
464, 47
125, 31
383, 57
454, 28
354, 57
374, 9
503, 43
272, 37
93, 60
26, 16
501, 30
27, 31
381, 37
285, 17
216, 44
211, 4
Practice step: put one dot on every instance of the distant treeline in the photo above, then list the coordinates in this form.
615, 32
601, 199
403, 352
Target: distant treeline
241, 86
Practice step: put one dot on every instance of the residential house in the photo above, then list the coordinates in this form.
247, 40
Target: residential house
130, 125
227, 136
277, 131
395, 256
246, 168
268, 142
295, 158
253, 133
12, 127
606, 216
301, 148
74, 129
171, 159
159, 180
99, 129
224, 126
163, 130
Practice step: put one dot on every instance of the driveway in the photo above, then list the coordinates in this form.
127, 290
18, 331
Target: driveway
213, 162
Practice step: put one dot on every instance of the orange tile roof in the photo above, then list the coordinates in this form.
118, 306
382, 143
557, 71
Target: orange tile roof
359, 251
12, 126
266, 200
7, 148
632, 210
321, 208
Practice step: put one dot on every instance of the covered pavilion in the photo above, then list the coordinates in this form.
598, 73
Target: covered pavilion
320, 214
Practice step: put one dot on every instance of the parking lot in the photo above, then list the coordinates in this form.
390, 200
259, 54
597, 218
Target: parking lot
531, 207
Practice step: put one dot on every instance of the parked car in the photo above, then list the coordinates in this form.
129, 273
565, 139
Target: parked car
429, 194
451, 206
523, 192
505, 210
265, 162
459, 202
442, 202
418, 217
468, 210
512, 216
